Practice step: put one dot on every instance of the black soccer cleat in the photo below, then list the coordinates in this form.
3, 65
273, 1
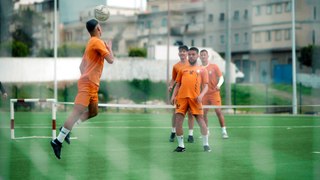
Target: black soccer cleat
179, 149
67, 138
172, 136
206, 149
190, 139
56, 146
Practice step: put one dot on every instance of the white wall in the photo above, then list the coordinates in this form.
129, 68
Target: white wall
42, 69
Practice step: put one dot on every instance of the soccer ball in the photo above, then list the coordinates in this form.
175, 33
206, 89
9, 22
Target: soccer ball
101, 13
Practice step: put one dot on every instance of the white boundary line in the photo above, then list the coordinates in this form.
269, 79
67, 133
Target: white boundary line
38, 137
171, 106
168, 127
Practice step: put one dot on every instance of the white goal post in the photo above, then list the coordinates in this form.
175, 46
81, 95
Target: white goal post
53, 105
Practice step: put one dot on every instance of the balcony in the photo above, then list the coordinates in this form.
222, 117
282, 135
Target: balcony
192, 29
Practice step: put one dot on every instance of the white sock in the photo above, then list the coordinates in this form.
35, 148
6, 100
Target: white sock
63, 133
173, 130
190, 132
205, 140
180, 141
208, 131
224, 129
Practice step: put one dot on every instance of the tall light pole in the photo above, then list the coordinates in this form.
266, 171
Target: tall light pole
168, 47
228, 55
55, 49
294, 81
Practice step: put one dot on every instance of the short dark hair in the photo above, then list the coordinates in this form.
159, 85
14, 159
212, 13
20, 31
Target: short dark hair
183, 47
194, 49
91, 25
204, 50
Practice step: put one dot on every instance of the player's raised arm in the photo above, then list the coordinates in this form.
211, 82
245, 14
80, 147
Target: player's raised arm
109, 58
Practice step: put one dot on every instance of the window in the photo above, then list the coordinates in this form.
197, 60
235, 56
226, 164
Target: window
148, 24
192, 42
210, 18
245, 15
211, 40
193, 20
278, 35
257, 37
288, 6
236, 38
164, 22
245, 37
314, 13
279, 8
222, 39
269, 9
258, 10
236, 15
204, 42
221, 17
141, 25
287, 34
268, 36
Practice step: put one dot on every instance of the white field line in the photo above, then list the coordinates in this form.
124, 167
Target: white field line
163, 127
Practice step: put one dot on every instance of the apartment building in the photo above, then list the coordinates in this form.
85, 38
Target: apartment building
120, 28
272, 35
258, 32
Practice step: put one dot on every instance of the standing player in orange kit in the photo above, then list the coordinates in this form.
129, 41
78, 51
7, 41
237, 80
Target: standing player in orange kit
86, 101
212, 97
188, 95
183, 54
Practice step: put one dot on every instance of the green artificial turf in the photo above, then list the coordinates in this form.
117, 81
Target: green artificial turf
135, 146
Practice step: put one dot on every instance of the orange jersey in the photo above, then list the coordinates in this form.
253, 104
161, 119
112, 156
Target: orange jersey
177, 67
93, 59
191, 78
214, 73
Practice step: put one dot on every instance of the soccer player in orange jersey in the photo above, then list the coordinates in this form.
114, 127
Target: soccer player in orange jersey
86, 101
212, 97
183, 55
188, 94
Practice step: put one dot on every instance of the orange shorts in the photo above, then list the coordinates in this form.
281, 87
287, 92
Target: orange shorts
87, 93
185, 104
212, 99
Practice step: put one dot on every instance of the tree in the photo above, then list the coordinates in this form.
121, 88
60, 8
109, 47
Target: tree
137, 52
14, 49
26, 22
309, 57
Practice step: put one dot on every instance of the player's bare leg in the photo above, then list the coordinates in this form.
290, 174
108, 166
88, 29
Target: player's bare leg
190, 125
173, 127
204, 133
222, 123
90, 113
56, 144
179, 131
205, 118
